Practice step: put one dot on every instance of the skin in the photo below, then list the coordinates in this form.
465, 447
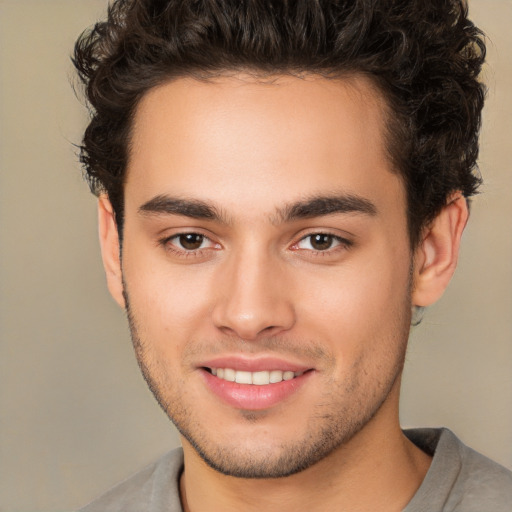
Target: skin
258, 287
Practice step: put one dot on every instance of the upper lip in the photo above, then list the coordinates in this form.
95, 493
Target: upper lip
254, 364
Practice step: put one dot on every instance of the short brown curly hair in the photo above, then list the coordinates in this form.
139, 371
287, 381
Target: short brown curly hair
423, 55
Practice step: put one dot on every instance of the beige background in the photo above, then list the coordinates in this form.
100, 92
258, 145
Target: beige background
75, 416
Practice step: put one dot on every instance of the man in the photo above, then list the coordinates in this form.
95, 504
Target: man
282, 189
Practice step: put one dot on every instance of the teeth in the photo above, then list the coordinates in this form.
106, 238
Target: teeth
261, 378
276, 376
229, 374
257, 378
243, 377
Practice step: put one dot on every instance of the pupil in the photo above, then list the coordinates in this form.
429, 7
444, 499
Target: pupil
191, 241
321, 242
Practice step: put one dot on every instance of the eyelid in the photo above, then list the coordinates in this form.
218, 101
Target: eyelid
342, 242
166, 242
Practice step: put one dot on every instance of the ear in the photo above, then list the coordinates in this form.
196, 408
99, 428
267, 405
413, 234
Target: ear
436, 257
109, 242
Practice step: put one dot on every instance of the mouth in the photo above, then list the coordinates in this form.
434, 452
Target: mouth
257, 384
260, 378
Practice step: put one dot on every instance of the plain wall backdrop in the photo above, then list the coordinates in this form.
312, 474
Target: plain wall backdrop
75, 415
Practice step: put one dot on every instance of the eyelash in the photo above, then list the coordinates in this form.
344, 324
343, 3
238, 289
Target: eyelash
342, 244
184, 253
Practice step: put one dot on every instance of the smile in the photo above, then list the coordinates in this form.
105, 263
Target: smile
258, 389
260, 378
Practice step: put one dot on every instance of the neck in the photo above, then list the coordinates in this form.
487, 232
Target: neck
378, 469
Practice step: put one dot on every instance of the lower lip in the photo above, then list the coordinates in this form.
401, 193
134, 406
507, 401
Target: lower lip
252, 397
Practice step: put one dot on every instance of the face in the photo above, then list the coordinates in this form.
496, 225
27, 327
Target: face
266, 266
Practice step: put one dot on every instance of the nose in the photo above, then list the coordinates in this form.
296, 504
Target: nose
254, 299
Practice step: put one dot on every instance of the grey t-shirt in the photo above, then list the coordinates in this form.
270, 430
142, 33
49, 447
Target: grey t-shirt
459, 480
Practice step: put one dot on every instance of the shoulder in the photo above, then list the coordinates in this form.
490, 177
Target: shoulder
460, 479
483, 484
153, 489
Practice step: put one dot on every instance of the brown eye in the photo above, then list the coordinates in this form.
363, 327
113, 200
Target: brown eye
321, 241
191, 241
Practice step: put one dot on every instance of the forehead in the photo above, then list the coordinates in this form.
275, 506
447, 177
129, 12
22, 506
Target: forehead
235, 139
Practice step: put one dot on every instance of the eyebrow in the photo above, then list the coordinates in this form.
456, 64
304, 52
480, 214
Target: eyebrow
319, 206
316, 206
193, 208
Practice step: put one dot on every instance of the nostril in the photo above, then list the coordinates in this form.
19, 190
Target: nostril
249, 318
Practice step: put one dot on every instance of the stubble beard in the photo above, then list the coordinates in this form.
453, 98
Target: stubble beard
332, 424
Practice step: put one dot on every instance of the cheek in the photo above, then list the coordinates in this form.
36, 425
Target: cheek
365, 300
167, 300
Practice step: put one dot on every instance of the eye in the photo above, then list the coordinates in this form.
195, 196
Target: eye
189, 242
321, 242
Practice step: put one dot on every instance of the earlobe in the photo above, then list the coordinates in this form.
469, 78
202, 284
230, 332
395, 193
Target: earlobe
436, 256
109, 242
